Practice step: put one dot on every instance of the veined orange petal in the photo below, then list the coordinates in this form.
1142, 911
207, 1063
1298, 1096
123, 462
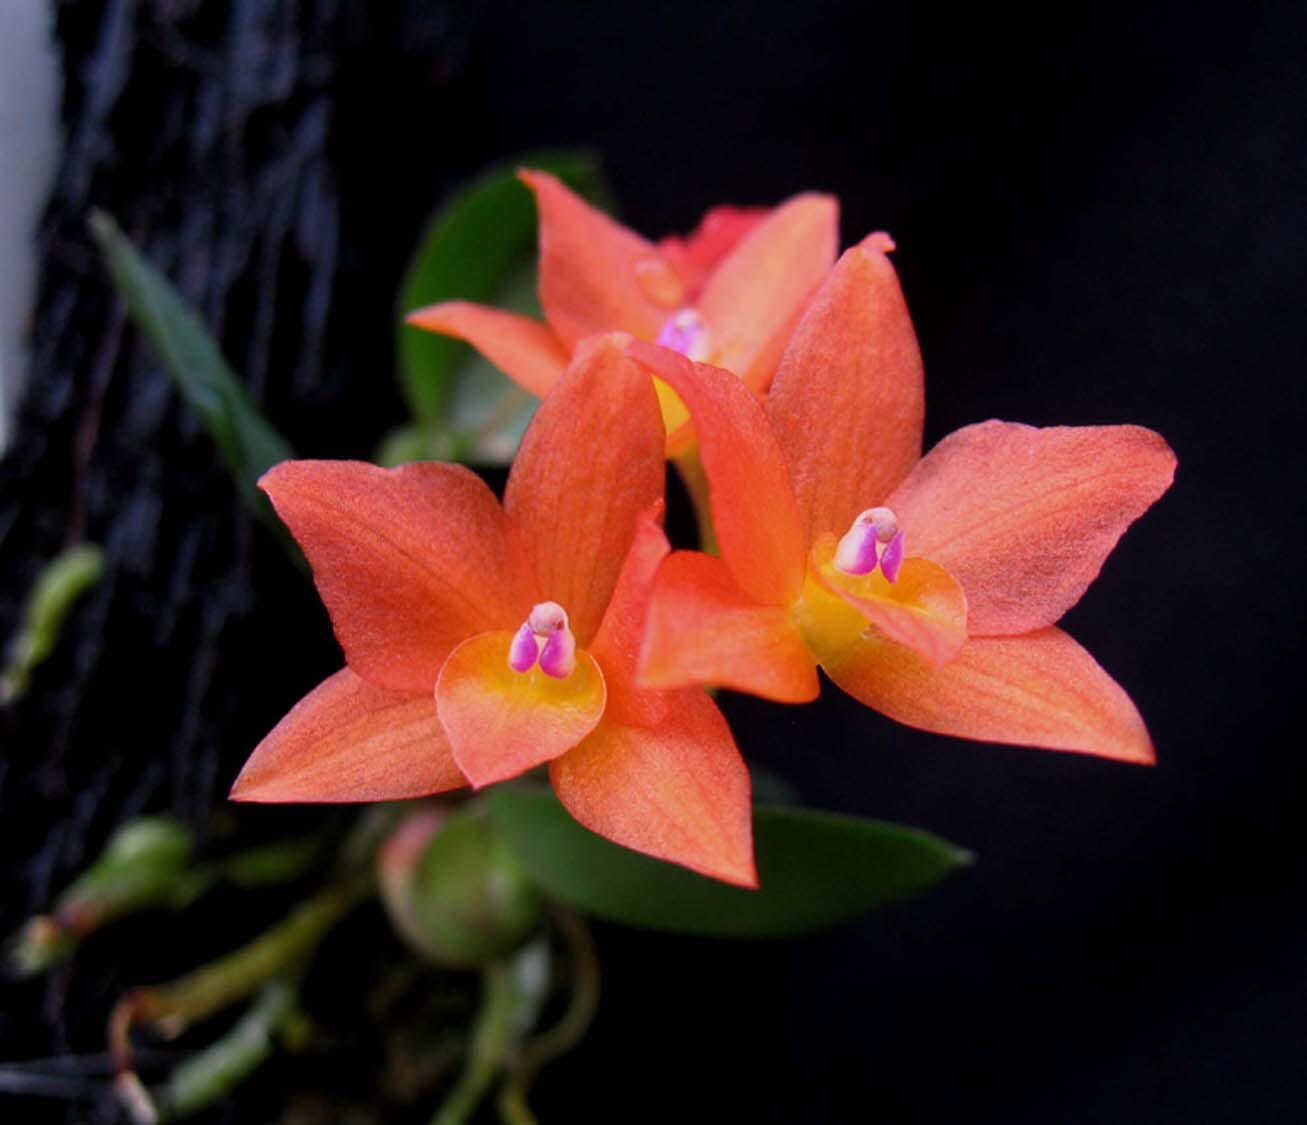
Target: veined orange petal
500, 722
348, 740
753, 509
925, 609
525, 350
1040, 689
616, 645
1024, 517
848, 400
589, 267
678, 791
720, 230
409, 561
754, 296
590, 463
703, 629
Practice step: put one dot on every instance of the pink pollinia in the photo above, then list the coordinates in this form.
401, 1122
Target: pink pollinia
929, 588
856, 552
545, 639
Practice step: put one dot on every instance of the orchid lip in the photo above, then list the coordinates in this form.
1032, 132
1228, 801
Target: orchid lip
687, 332
856, 552
544, 638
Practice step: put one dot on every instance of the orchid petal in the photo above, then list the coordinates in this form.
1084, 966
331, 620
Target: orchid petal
409, 561
501, 722
1040, 689
848, 400
752, 299
348, 740
617, 643
753, 509
678, 791
1025, 517
702, 629
924, 608
590, 463
590, 267
720, 230
525, 350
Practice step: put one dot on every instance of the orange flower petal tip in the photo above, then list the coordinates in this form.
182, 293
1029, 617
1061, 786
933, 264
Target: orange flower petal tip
348, 740
880, 241
693, 788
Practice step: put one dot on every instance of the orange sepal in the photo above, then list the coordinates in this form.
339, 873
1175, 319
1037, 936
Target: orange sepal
925, 609
348, 740
590, 463
1025, 517
754, 296
501, 723
678, 791
702, 629
616, 645
720, 230
753, 509
590, 267
525, 350
409, 561
848, 400
1040, 689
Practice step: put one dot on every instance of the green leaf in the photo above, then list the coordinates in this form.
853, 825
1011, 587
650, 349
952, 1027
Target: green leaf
479, 246
816, 868
248, 444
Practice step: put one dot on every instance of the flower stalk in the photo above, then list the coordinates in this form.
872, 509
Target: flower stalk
172, 1008
513, 990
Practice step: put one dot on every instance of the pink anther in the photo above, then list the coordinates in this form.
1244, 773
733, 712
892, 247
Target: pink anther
686, 331
545, 637
856, 552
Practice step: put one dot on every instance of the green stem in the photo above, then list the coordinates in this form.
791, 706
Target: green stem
207, 1076
178, 1004
493, 1039
566, 1033
281, 862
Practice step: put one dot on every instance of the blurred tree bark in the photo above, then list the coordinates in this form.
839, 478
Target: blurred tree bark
206, 128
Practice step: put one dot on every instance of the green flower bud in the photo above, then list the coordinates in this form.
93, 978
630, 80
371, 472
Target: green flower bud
454, 890
145, 864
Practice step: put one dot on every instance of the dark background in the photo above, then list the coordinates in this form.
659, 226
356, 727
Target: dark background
1100, 218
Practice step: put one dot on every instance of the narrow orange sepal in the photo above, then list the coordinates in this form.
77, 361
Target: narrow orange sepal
753, 508
525, 350
848, 401
348, 740
1041, 689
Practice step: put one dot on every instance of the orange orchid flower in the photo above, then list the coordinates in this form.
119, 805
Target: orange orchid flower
483, 640
927, 588
730, 293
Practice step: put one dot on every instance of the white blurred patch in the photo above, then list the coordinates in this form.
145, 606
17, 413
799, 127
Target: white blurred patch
29, 147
